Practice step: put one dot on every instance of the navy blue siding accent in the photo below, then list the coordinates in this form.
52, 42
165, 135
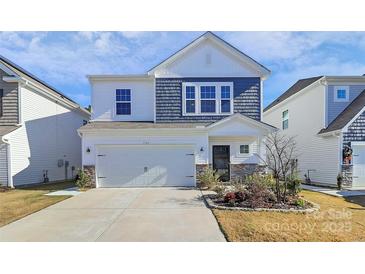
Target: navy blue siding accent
356, 131
335, 108
246, 93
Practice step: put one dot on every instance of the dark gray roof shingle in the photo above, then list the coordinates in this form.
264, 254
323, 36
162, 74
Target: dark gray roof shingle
298, 86
138, 125
7, 129
346, 115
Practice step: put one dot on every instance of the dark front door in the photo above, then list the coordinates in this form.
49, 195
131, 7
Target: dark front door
221, 162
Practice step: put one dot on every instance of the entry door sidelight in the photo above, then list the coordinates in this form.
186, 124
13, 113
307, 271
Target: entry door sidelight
221, 162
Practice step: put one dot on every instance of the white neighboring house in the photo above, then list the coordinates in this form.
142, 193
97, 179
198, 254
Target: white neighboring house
200, 107
38, 129
326, 116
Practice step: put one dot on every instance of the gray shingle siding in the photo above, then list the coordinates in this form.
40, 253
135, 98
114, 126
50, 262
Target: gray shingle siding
10, 102
335, 108
246, 93
356, 131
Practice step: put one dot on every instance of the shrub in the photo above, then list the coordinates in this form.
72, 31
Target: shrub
238, 185
300, 203
230, 198
258, 192
83, 180
220, 189
295, 185
208, 178
240, 196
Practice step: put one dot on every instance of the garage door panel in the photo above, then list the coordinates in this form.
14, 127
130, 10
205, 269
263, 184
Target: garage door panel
152, 165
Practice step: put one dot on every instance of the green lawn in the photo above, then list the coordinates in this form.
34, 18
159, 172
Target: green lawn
18, 203
339, 219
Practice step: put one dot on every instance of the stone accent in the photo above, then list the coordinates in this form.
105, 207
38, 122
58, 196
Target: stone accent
199, 168
238, 171
246, 99
90, 170
347, 175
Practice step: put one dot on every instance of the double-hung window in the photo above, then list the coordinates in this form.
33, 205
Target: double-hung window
207, 98
285, 119
225, 99
190, 99
123, 102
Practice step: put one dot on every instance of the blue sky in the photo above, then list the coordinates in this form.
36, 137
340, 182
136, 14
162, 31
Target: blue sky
64, 58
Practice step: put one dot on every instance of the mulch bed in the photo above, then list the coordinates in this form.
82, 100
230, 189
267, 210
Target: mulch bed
214, 202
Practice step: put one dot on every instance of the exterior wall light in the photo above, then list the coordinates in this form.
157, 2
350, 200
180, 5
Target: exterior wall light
88, 150
201, 149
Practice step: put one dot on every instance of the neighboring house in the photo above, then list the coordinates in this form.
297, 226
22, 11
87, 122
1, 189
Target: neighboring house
38, 129
326, 116
201, 106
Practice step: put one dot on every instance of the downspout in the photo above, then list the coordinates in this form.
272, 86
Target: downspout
8, 161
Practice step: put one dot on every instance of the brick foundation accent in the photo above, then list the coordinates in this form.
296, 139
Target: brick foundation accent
199, 168
347, 175
238, 171
90, 170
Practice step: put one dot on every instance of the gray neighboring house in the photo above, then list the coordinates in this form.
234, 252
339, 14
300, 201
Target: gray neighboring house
38, 129
326, 114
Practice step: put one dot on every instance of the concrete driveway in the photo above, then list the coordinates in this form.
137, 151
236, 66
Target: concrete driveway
138, 214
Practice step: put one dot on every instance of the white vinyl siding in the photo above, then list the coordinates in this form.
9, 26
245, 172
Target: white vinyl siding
307, 112
103, 100
48, 134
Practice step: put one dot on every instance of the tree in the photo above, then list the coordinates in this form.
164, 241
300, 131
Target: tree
280, 155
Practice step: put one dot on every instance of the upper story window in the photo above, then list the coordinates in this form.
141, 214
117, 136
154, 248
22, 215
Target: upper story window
123, 101
341, 94
285, 119
207, 98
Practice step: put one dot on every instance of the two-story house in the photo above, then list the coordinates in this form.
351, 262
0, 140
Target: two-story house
201, 106
38, 129
326, 116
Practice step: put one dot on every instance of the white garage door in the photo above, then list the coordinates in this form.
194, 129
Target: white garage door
145, 165
358, 165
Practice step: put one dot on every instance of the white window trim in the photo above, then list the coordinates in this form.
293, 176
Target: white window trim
347, 88
218, 98
282, 119
244, 154
116, 101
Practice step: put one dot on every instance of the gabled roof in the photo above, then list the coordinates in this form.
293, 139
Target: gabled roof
7, 129
245, 119
298, 86
209, 35
346, 115
26, 73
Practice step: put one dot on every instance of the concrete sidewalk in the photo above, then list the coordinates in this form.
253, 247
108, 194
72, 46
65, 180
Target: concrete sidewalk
138, 214
335, 192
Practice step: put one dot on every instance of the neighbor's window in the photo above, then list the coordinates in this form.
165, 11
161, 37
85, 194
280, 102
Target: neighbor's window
341, 94
285, 119
1, 101
244, 149
123, 101
207, 99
